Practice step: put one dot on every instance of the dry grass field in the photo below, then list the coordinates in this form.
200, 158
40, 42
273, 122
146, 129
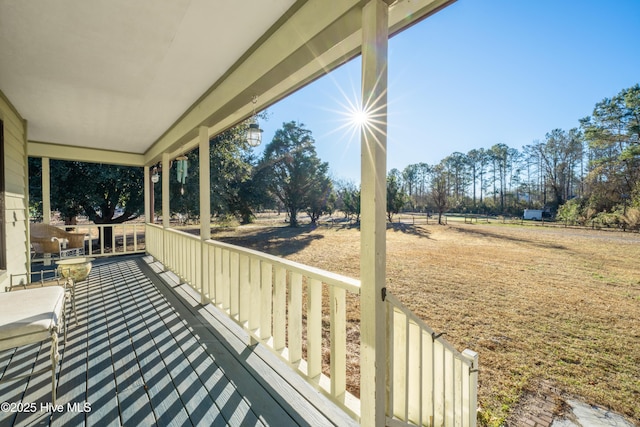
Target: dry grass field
554, 304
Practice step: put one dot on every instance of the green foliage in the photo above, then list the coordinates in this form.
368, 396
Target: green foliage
598, 164
559, 154
348, 200
572, 212
233, 190
396, 197
613, 136
440, 190
610, 219
292, 172
632, 218
92, 189
35, 188
320, 199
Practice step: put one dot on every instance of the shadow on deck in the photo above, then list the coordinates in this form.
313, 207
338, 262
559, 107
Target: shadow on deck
145, 352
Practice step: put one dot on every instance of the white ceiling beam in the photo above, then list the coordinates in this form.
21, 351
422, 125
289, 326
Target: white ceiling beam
83, 154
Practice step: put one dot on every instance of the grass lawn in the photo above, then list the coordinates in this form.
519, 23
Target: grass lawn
536, 303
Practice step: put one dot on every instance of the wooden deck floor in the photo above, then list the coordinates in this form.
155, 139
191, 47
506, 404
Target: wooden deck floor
146, 353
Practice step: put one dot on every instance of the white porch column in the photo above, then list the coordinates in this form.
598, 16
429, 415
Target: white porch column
373, 223
166, 211
205, 184
166, 171
46, 199
148, 188
46, 191
205, 210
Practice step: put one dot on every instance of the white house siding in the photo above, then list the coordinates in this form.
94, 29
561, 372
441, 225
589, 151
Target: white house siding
16, 192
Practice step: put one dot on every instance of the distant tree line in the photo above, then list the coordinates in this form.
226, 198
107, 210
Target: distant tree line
586, 173
583, 174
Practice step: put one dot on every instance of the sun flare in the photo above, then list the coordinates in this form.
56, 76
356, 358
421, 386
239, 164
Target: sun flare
360, 117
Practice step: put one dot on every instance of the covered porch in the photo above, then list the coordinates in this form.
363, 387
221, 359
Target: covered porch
145, 352
195, 70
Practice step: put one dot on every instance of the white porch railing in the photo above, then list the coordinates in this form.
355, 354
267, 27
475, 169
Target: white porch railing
429, 382
125, 238
280, 303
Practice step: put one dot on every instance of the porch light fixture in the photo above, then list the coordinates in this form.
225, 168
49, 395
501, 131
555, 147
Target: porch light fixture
254, 133
156, 175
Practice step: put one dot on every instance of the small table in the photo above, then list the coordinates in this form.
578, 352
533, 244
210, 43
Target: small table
74, 270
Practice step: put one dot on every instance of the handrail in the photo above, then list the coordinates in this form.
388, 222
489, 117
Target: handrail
429, 382
130, 234
344, 282
265, 294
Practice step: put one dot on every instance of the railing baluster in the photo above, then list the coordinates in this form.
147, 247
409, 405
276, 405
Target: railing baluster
226, 280
420, 376
218, 277
265, 301
400, 363
245, 291
390, 362
471, 383
212, 275
414, 372
197, 266
135, 237
407, 366
314, 328
427, 380
295, 318
338, 323
234, 283
255, 295
205, 285
280, 309
457, 391
448, 386
101, 234
189, 261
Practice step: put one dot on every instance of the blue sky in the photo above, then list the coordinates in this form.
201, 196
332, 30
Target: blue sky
478, 73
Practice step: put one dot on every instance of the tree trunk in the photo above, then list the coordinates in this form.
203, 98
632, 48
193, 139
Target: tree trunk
293, 217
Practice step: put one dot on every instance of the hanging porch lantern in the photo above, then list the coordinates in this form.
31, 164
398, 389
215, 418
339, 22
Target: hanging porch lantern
155, 177
254, 133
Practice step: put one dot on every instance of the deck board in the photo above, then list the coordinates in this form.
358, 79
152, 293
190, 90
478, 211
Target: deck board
74, 368
145, 352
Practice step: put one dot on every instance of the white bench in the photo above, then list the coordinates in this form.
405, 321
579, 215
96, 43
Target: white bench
30, 316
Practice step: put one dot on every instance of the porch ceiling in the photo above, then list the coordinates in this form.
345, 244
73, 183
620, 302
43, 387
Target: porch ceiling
140, 77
